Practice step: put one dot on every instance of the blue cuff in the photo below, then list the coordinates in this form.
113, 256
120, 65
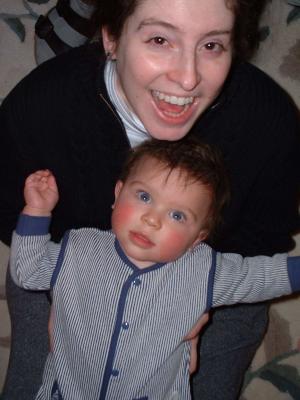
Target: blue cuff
28, 225
293, 265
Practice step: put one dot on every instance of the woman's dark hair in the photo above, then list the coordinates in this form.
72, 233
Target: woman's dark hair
114, 13
246, 27
196, 161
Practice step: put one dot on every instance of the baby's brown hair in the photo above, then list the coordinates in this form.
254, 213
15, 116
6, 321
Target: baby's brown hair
197, 161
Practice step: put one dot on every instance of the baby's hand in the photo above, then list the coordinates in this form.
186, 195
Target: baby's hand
40, 193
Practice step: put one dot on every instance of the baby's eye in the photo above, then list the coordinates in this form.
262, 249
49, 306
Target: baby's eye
177, 216
144, 196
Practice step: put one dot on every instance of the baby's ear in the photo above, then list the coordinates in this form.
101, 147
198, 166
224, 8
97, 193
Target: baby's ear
200, 238
118, 189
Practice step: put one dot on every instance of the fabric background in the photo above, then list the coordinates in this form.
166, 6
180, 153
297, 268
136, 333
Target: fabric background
275, 371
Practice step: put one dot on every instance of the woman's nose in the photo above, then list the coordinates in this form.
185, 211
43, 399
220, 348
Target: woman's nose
152, 219
185, 72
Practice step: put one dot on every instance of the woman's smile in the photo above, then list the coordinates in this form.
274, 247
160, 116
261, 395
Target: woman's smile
169, 72
178, 100
173, 109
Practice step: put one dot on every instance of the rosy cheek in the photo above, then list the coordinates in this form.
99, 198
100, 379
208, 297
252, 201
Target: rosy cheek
122, 214
173, 245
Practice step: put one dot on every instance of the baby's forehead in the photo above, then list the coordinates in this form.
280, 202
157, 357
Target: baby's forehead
153, 167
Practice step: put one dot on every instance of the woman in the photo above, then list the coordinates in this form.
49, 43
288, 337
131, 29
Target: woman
173, 67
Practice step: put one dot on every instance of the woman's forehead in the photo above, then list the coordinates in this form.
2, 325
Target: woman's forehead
198, 13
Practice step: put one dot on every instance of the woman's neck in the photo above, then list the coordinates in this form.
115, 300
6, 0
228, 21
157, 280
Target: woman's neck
135, 129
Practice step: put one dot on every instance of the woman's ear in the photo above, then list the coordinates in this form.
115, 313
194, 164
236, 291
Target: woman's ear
109, 43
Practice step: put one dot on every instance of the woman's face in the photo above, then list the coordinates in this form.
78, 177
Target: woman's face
172, 60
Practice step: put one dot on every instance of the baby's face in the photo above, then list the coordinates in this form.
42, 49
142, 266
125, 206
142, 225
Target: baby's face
157, 215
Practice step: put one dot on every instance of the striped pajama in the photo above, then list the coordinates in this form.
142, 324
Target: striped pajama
118, 330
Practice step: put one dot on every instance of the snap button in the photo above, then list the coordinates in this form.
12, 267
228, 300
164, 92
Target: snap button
136, 282
125, 325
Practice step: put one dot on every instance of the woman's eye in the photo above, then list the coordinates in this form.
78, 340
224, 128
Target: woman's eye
177, 216
144, 196
158, 40
213, 46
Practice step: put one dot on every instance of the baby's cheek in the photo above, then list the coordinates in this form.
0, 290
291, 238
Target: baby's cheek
173, 245
122, 214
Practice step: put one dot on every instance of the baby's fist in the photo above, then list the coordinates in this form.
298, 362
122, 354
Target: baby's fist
40, 193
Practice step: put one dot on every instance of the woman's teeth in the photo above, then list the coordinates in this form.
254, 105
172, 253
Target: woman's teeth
180, 101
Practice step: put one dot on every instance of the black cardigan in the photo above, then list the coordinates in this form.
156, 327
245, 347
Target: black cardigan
59, 117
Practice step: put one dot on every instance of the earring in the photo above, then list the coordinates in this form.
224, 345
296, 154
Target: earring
108, 55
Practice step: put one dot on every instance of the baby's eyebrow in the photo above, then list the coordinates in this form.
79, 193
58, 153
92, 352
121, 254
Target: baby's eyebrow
194, 216
140, 183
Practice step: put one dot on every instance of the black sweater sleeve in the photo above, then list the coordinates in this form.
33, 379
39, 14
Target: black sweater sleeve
12, 171
30, 115
55, 118
265, 170
258, 130
268, 217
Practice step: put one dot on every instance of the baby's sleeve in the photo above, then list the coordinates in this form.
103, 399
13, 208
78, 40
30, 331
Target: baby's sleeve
250, 279
33, 256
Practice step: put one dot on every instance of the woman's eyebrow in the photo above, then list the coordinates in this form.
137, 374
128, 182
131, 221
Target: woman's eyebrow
154, 21
168, 25
218, 32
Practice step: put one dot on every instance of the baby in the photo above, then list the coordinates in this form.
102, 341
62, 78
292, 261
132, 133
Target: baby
124, 300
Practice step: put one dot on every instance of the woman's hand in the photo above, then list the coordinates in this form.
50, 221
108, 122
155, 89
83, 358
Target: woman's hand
193, 337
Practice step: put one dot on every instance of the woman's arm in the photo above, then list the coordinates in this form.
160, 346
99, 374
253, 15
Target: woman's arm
13, 170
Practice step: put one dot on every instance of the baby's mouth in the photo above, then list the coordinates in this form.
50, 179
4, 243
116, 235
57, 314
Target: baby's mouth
173, 106
141, 239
